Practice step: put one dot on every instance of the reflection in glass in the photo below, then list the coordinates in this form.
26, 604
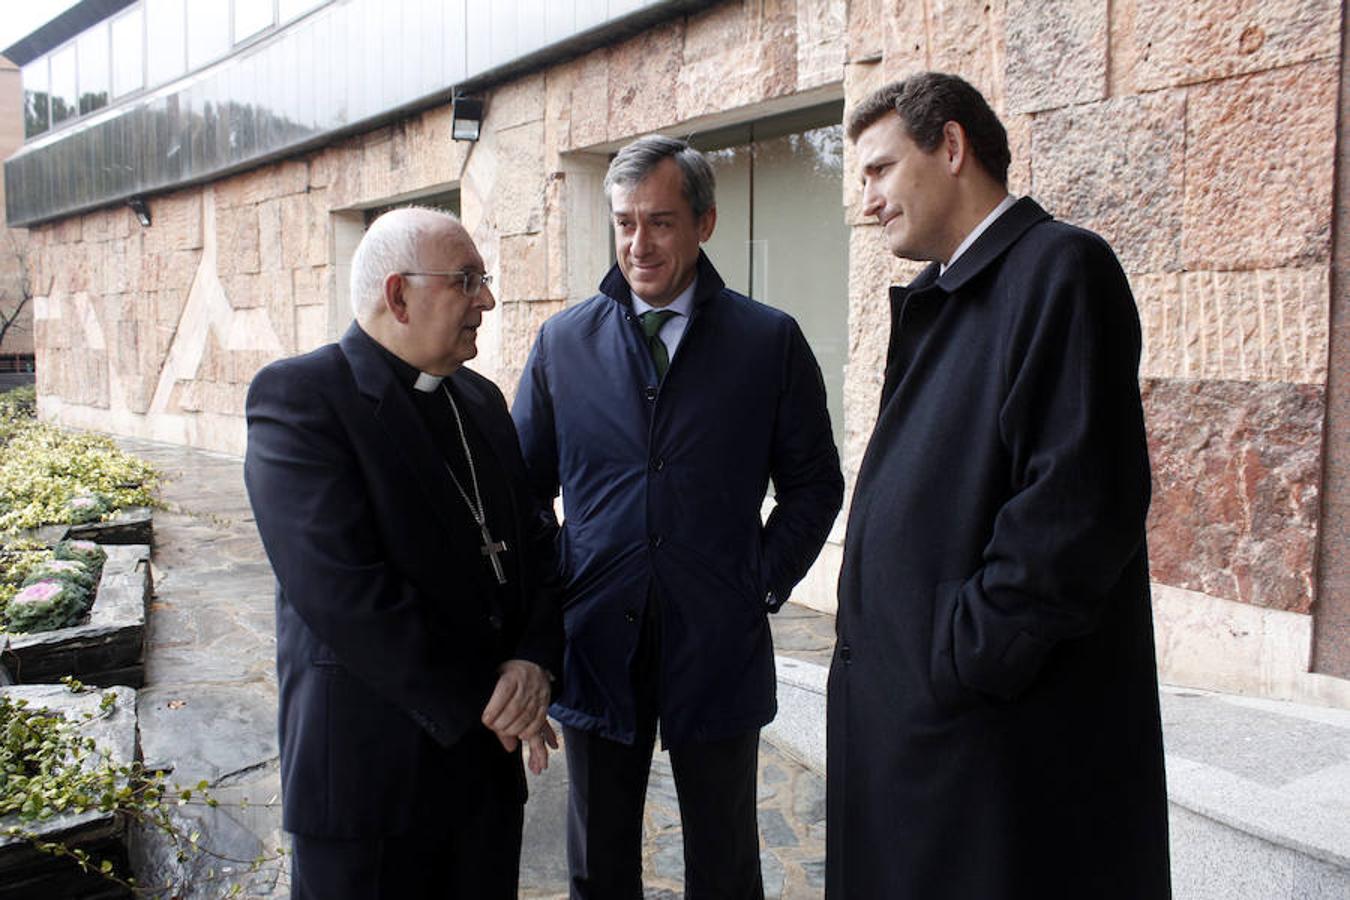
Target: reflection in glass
781, 236
800, 261
165, 40
36, 97
93, 64
63, 83
251, 17
208, 31
128, 58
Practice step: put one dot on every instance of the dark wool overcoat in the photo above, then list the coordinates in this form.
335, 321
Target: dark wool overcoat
663, 481
993, 706
390, 628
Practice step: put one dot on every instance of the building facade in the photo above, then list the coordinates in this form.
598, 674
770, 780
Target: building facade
1204, 141
16, 311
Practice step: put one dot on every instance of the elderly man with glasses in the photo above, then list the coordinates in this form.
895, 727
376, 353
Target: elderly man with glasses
417, 625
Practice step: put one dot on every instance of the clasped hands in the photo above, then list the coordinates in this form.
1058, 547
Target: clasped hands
518, 711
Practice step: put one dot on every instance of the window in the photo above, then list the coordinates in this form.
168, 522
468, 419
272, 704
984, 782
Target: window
36, 98
165, 37
94, 68
446, 202
63, 84
251, 17
128, 53
208, 31
781, 236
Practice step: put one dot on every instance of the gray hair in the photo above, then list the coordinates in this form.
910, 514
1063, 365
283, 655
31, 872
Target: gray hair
635, 162
391, 244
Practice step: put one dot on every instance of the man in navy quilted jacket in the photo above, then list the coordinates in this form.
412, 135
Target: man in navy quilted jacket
662, 408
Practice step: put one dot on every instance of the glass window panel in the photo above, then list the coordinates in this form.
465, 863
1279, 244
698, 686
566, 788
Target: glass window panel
290, 9
128, 56
729, 246
800, 241
94, 71
208, 31
251, 17
165, 40
63, 83
36, 98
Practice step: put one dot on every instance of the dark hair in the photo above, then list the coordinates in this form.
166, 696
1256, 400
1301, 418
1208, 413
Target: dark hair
636, 161
928, 101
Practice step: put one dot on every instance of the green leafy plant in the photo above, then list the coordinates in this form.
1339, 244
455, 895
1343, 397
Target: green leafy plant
46, 605
49, 476
87, 552
48, 768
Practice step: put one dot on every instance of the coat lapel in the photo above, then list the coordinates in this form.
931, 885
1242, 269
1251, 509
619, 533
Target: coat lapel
400, 421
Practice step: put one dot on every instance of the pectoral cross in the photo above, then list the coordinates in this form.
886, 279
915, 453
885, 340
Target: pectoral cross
490, 549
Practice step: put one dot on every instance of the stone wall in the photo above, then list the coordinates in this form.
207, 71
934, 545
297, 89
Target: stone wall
13, 241
1198, 138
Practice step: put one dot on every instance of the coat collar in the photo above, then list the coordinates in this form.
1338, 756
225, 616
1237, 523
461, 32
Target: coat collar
1001, 234
378, 381
710, 284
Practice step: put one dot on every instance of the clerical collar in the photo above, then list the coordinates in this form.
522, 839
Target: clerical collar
427, 383
681, 304
1004, 205
406, 373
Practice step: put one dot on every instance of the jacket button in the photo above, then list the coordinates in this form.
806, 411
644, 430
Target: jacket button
629, 615
650, 393
658, 464
846, 654
656, 541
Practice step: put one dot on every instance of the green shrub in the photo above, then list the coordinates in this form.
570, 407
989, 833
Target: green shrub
18, 403
43, 469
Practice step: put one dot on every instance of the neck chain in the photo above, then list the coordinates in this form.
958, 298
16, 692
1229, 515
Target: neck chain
490, 548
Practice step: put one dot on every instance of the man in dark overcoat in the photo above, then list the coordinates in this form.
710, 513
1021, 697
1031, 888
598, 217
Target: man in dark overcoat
416, 620
663, 407
993, 707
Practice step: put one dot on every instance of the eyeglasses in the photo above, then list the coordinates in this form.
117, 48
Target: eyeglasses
472, 280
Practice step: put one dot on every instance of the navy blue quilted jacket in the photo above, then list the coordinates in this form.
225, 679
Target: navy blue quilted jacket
663, 482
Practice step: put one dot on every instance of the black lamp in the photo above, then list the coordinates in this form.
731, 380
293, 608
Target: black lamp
142, 211
466, 118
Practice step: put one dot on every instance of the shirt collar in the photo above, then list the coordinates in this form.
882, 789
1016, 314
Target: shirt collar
1004, 205
681, 304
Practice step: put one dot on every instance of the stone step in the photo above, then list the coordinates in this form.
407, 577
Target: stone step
1258, 790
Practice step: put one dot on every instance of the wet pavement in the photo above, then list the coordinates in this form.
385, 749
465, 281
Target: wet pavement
208, 712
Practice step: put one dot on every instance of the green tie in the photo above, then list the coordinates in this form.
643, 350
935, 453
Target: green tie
652, 320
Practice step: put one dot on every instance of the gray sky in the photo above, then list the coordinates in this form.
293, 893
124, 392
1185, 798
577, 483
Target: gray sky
19, 18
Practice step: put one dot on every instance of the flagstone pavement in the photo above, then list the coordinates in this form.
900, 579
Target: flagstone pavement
208, 713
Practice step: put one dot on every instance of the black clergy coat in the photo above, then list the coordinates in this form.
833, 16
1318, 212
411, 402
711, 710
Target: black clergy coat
390, 625
993, 710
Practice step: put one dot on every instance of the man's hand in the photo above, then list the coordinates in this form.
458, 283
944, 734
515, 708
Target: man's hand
538, 747
518, 706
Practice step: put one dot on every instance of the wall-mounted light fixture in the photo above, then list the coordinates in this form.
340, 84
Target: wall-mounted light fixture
466, 118
142, 211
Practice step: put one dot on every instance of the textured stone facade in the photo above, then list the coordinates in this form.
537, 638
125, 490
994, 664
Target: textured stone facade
1199, 139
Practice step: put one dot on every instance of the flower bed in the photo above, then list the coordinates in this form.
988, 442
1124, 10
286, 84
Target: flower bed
44, 795
105, 649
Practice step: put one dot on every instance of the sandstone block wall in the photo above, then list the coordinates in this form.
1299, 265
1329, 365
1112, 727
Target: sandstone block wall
1198, 138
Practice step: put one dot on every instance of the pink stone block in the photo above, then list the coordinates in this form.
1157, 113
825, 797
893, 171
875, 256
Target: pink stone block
1056, 53
1236, 474
1260, 151
1117, 167
1209, 39
641, 68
